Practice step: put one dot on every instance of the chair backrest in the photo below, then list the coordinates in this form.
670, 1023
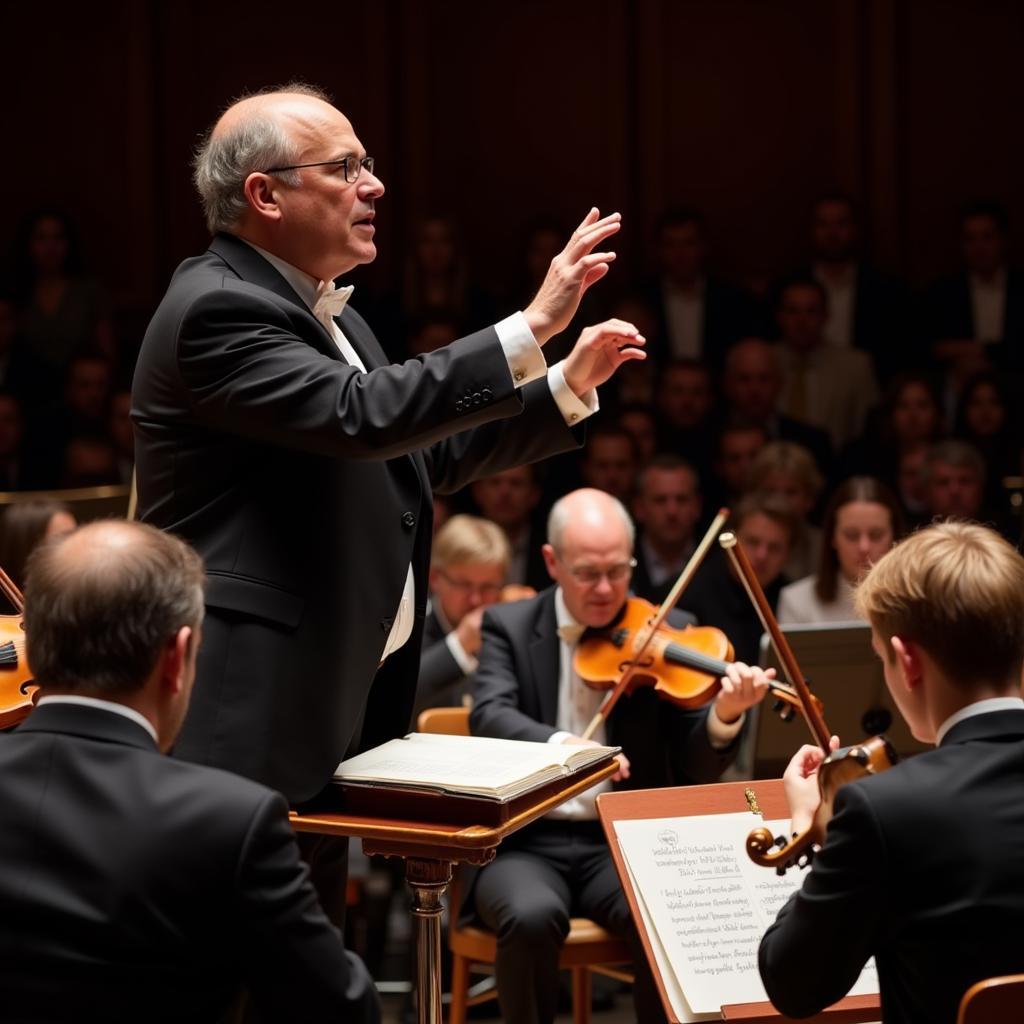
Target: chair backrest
449, 721
993, 1001
109, 501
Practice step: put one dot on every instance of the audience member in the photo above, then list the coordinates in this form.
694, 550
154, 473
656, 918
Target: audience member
978, 314
635, 385
684, 399
911, 488
511, 499
22, 373
62, 310
954, 474
431, 331
752, 387
526, 689
666, 508
919, 865
832, 388
988, 418
25, 525
468, 563
866, 308
862, 522
640, 421
137, 886
766, 527
699, 314
788, 471
610, 462
735, 451
89, 462
15, 475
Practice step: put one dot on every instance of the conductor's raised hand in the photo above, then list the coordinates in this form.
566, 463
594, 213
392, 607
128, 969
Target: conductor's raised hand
571, 273
599, 352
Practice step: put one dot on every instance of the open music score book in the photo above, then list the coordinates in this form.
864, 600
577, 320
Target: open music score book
472, 771
705, 905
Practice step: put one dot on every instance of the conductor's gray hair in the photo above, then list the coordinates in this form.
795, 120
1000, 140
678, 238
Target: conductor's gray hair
256, 143
558, 520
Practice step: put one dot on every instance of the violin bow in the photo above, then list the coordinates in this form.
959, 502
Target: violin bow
11, 591
647, 634
745, 571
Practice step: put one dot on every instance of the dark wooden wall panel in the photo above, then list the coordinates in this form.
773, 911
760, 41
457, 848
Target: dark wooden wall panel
501, 114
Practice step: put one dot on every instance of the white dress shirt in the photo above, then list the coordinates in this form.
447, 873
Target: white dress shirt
988, 306
980, 707
577, 705
104, 705
842, 294
684, 313
525, 364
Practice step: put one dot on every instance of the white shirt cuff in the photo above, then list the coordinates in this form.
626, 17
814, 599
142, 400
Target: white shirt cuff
523, 354
574, 410
463, 659
720, 733
558, 737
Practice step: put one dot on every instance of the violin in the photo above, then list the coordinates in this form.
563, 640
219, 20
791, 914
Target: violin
839, 767
17, 694
684, 665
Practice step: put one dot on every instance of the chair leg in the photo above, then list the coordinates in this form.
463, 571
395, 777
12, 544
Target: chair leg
581, 997
460, 990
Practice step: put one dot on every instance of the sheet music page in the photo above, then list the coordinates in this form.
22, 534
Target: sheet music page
709, 903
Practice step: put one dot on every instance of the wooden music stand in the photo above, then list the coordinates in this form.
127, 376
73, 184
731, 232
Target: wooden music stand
429, 851
720, 798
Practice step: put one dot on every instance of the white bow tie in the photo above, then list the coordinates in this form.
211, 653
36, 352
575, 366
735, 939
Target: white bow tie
571, 633
330, 301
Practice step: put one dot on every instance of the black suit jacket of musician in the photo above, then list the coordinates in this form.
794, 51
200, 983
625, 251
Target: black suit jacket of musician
923, 868
515, 697
306, 487
139, 887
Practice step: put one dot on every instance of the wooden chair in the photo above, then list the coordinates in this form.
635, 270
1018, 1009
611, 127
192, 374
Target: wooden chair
109, 501
993, 1001
588, 949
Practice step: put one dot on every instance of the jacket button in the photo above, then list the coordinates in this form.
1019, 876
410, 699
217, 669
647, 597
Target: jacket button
408, 520
476, 398
458, 405
485, 393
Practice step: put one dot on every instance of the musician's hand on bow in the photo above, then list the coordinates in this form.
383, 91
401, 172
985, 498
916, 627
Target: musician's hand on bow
571, 273
599, 352
743, 686
622, 773
800, 782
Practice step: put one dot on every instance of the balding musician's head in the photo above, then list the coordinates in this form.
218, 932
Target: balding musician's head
589, 554
284, 170
113, 611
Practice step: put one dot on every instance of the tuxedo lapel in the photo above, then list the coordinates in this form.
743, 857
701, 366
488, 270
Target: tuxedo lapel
545, 658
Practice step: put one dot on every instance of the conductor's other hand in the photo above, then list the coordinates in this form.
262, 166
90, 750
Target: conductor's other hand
571, 273
599, 352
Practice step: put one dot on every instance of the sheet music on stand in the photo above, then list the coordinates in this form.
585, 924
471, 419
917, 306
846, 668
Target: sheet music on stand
701, 905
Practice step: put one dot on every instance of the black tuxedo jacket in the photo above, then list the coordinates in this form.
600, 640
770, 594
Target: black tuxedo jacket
730, 314
515, 697
923, 868
949, 313
139, 887
306, 487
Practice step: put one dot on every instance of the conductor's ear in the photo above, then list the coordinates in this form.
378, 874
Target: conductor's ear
261, 195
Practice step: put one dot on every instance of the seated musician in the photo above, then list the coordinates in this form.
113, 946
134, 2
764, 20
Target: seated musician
922, 865
527, 689
468, 562
134, 886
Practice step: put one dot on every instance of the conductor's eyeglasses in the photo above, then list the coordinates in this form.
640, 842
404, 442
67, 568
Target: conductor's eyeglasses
353, 166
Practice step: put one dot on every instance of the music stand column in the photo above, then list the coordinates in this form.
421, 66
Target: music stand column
428, 880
